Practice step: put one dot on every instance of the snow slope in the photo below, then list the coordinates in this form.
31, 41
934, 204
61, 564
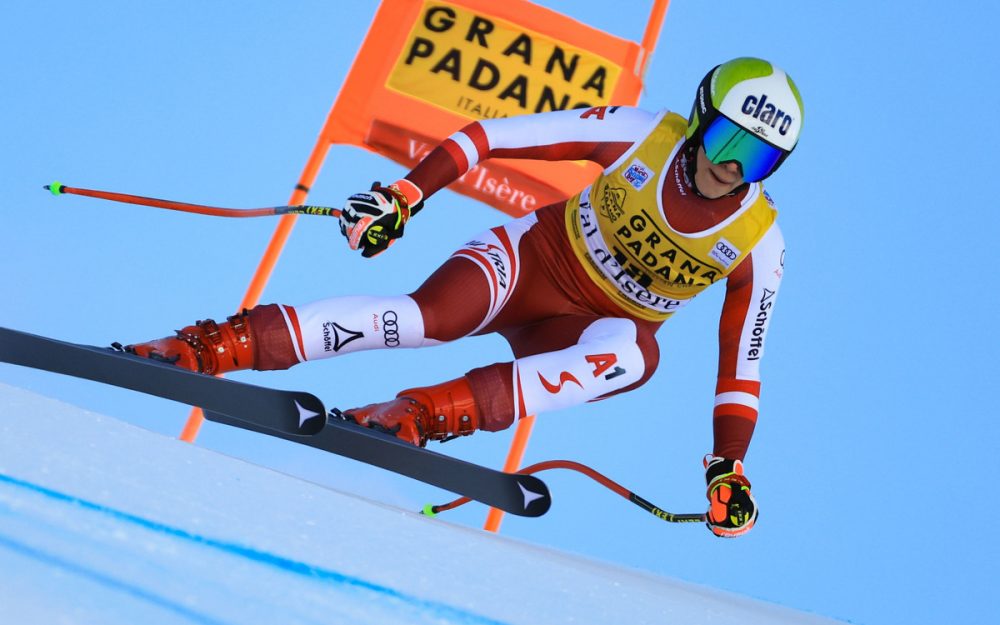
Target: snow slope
104, 522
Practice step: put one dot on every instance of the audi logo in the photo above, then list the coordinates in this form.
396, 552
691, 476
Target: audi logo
390, 328
725, 249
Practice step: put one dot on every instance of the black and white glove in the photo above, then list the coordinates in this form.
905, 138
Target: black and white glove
732, 510
373, 220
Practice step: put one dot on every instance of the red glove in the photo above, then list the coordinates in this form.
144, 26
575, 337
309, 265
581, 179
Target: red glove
732, 510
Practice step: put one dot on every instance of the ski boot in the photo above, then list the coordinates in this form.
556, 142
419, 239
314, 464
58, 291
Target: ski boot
206, 347
440, 412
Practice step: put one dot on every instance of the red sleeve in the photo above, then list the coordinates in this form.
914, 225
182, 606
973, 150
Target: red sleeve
733, 422
751, 291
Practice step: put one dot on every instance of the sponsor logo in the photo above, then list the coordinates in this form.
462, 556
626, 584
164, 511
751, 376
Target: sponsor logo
499, 265
613, 203
654, 253
598, 112
529, 495
603, 362
760, 109
313, 210
454, 54
336, 336
304, 414
497, 257
760, 325
390, 328
725, 252
637, 174
632, 288
564, 377
376, 234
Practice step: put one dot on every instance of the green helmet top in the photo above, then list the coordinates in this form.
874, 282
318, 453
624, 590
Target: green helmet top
756, 95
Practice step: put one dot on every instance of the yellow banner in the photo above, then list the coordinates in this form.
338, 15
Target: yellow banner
427, 68
484, 67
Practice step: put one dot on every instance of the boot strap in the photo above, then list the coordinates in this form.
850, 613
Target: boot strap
240, 326
438, 428
208, 355
206, 362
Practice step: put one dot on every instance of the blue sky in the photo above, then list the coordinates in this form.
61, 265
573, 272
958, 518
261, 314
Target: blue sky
874, 434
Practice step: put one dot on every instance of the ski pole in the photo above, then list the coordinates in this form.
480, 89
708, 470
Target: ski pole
660, 513
57, 188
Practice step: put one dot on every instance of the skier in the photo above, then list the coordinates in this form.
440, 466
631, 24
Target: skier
578, 288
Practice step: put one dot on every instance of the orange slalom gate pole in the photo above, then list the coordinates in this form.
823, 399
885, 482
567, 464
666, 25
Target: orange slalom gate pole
523, 433
514, 458
271, 254
652, 34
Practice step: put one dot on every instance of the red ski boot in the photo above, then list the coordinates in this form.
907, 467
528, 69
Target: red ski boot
206, 347
417, 415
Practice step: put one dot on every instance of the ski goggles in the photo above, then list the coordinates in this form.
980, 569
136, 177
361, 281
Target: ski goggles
725, 141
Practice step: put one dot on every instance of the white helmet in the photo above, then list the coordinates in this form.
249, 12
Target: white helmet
749, 111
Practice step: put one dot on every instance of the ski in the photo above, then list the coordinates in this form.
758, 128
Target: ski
106, 365
290, 415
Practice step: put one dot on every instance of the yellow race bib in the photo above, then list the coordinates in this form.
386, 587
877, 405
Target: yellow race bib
620, 232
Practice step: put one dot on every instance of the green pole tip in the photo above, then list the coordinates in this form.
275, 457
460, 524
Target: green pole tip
428, 510
56, 188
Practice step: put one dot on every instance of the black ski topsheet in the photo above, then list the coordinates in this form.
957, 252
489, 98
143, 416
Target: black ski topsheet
290, 415
524, 495
288, 411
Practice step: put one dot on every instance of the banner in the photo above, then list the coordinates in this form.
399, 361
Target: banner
429, 67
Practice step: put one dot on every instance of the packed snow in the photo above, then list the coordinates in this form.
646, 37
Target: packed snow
105, 522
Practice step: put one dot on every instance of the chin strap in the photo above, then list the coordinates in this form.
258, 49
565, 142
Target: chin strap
689, 163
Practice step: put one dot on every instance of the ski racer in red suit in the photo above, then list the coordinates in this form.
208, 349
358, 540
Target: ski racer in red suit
577, 288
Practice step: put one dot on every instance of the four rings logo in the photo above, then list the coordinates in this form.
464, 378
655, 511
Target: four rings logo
390, 328
725, 252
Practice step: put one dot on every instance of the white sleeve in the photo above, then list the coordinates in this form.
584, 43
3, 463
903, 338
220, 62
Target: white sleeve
610, 124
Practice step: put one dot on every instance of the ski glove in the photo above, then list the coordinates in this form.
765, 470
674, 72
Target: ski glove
372, 221
732, 510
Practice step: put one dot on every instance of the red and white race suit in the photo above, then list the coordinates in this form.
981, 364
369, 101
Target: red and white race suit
578, 288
